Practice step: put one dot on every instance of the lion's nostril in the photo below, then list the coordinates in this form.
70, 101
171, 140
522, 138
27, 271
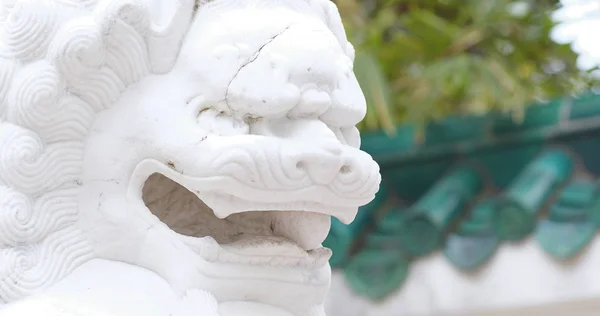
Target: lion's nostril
345, 169
321, 169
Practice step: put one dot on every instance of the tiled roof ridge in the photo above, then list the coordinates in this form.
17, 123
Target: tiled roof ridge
465, 134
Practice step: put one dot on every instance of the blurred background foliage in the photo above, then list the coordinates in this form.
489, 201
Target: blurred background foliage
422, 60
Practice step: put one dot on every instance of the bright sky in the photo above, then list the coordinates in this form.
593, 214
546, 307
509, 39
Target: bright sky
580, 26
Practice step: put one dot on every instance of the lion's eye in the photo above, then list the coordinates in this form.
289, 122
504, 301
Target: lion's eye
221, 123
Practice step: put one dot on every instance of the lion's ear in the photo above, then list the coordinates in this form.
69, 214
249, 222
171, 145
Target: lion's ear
329, 13
166, 39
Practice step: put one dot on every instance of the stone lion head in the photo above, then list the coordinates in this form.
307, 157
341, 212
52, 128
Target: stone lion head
209, 143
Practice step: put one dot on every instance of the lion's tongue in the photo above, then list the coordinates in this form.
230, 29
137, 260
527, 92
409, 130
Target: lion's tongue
265, 246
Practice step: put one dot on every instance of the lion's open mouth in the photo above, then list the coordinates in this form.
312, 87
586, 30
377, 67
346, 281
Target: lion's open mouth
274, 238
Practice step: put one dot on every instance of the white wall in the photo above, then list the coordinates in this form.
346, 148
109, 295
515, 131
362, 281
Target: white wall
518, 276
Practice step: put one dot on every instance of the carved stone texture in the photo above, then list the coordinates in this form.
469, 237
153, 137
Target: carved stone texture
207, 143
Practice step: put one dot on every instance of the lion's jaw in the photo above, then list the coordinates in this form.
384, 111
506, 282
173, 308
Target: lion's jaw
264, 165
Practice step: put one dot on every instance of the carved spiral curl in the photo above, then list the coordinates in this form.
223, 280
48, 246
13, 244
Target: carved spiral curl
37, 102
30, 28
25, 166
25, 269
15, 262
16, 210
33, 96
132, 12
19, 144
35, 91
128, 55
79, 51
24, 222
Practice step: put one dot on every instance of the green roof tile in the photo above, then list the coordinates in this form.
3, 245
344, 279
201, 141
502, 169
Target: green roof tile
475, 241
376, 273
382, 241
470, 252
594, 207
580, 193
479, 222
568, 227
431, 215
392, 221
564, 240
420, 236
520, 203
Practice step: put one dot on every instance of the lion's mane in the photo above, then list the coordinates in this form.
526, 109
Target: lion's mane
61, 62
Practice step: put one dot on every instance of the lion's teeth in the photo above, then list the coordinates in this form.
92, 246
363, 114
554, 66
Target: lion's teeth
252, 252
266, 246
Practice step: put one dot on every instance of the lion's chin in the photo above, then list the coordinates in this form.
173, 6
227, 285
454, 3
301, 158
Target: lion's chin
289, 239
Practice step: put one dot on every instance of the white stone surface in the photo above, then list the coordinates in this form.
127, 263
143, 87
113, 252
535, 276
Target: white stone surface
247, 110
519, 277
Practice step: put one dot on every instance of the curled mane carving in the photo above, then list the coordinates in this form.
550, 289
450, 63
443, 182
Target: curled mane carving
61, 62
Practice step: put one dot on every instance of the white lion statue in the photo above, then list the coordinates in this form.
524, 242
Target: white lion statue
173, 157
